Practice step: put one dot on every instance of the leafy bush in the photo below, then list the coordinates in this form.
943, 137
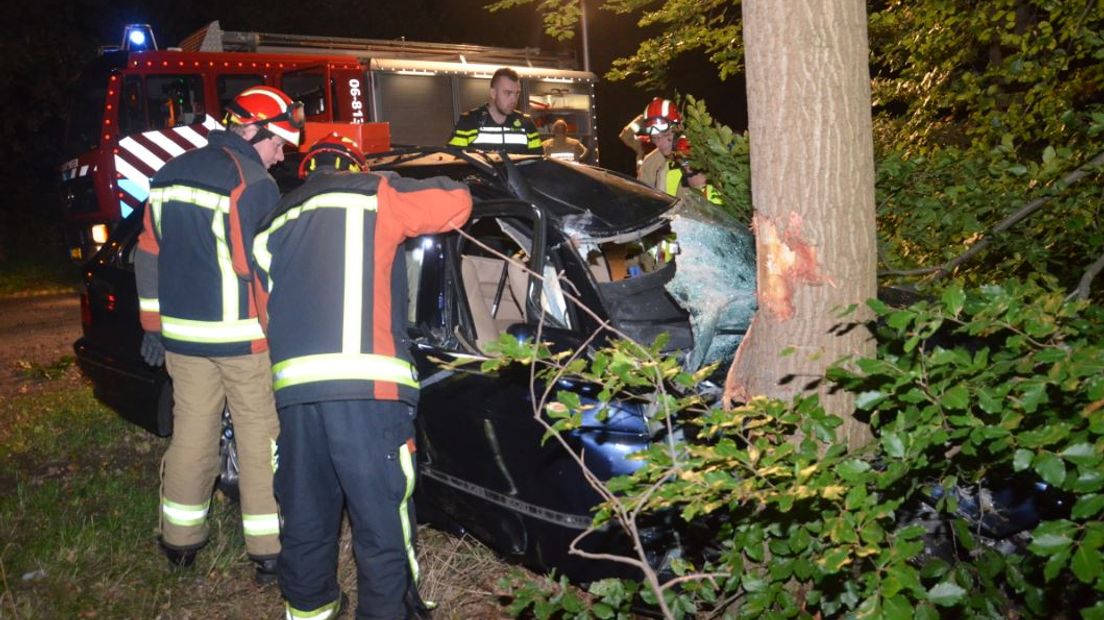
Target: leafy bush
964, 391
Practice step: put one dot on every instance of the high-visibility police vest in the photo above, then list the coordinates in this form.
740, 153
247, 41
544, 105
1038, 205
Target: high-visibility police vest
192, 267
331, 263
478, 130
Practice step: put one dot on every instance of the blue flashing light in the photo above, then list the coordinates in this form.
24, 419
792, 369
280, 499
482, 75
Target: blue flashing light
138, 38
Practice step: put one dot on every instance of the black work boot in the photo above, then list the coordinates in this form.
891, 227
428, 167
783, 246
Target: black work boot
266, 571
178, 558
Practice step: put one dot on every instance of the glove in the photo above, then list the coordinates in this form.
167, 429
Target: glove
153, 349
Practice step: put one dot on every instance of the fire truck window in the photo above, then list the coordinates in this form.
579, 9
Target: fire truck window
230, 85
132, 114
308, 87
551, 101
174, 100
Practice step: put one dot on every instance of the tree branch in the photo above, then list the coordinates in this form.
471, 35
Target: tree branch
1084, 287
1008, 222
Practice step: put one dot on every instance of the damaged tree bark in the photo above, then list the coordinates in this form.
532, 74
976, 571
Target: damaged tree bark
812, 178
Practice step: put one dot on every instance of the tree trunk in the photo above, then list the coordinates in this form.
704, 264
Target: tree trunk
812, 178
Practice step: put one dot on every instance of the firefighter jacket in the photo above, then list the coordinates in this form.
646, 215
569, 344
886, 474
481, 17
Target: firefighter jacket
478, 130
192, 267
334, 304
664, 175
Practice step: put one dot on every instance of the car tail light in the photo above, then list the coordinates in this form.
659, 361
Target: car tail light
86, 310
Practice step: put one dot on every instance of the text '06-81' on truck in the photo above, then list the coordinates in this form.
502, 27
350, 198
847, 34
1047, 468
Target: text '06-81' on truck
135, 106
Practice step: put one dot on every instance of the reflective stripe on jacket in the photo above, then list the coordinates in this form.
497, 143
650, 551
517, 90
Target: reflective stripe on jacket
334, 275
476, 129
191, 268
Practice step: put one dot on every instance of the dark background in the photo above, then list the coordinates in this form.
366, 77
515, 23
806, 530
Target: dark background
48, 41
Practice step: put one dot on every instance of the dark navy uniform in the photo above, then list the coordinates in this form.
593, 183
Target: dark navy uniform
331, 263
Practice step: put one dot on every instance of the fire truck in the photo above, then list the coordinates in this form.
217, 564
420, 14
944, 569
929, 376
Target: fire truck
136, 106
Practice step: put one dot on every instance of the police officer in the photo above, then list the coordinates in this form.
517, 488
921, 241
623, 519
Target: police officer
330, 258
199, 316
496, 125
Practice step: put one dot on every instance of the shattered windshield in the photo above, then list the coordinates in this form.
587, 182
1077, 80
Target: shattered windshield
690, 276
715, 279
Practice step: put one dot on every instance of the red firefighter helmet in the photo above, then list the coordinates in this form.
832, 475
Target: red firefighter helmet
332, 152
682, 146
660, 115
270, 108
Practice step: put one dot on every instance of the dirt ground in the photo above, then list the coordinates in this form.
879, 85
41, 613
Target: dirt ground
38, 331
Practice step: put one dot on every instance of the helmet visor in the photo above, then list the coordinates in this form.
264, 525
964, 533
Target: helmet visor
657, 125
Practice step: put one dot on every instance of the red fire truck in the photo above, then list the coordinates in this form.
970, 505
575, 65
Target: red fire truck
135, 107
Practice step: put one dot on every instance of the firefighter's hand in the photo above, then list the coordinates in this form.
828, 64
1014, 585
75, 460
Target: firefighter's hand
153, 349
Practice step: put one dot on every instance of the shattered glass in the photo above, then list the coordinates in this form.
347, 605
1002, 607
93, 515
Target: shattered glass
714, 280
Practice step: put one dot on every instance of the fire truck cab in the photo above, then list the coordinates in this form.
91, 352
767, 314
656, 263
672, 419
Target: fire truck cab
135, 107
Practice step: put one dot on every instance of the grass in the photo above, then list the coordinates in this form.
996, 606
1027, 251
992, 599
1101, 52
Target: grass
78, 506
22, 276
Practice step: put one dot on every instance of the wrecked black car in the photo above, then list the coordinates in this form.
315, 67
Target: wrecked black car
629, 254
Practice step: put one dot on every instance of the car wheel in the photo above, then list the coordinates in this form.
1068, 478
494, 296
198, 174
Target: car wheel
228, 459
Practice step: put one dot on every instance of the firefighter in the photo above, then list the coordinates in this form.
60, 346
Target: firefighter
559, 146
496, 125
346, 388
667, 168
199, 315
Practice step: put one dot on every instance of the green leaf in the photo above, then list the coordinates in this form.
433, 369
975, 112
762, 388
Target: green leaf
958, 397
852, 469
953, 298
1055, 564
1086, 564
893, 446
946, 594
1049, 539
1051, 469
898, 608
1022, 459
1081, 454
834, 560
1087, 506
900, 319
602, 611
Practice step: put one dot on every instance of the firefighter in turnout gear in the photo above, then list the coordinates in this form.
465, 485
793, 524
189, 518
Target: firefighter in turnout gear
496, 125
667, 168
199, 314
346, 387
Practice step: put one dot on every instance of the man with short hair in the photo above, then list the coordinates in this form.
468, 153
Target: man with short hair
497, 125
199, 313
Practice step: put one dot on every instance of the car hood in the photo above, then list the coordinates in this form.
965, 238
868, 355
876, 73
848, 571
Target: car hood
593, 204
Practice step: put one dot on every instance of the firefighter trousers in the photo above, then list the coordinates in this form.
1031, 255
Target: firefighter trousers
359, 453
202, 388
